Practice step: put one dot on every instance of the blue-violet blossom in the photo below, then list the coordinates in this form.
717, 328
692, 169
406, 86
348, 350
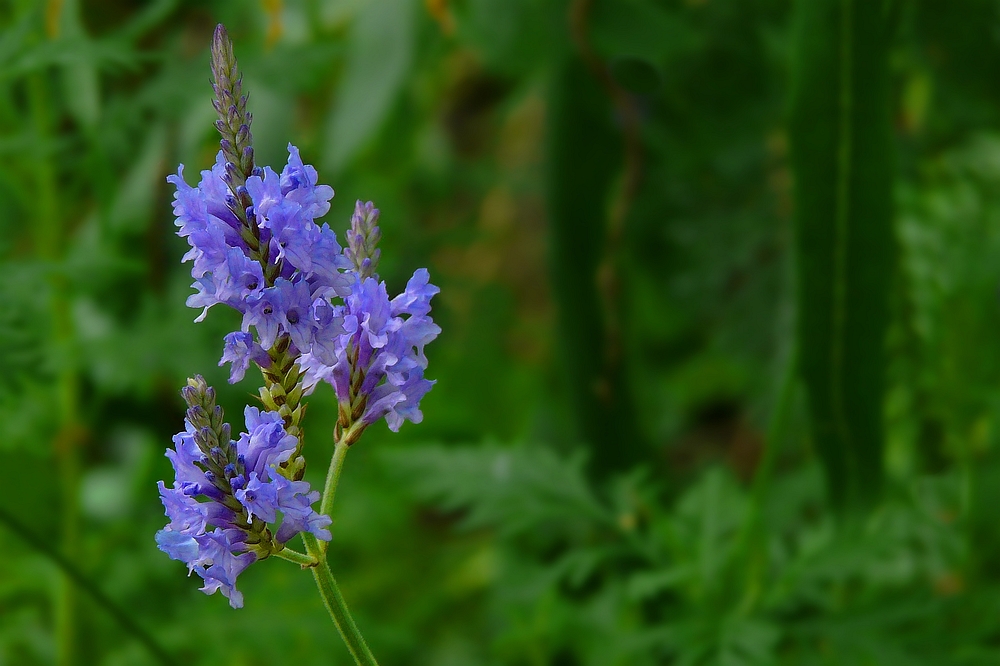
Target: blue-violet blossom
226, 494
369, 348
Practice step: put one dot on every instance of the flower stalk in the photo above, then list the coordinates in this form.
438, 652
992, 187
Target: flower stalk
333, 476
337, 607
313, 313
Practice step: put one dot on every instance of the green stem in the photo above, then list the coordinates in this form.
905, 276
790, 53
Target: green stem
315, 559
336, 605
295, 556
775, 431
744, 550
332, 479
48, 236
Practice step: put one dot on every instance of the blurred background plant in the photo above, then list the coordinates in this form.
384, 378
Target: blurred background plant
623, 461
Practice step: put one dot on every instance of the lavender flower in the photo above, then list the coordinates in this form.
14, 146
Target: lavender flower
239, 350
256, 247
377, 365
227, 267
365, 348
311, 312
232, 487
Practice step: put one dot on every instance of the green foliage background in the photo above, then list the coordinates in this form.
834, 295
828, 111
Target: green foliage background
624, 204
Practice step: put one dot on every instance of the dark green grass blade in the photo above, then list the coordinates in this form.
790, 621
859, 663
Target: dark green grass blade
121, 615
584, 157
841, 156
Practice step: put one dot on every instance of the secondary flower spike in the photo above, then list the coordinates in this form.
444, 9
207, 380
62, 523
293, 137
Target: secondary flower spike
377, 364
226, 494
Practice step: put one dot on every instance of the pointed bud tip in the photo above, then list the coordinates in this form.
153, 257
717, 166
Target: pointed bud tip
197, 382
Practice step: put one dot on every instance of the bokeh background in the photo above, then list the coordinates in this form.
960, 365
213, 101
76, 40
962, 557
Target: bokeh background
624, 203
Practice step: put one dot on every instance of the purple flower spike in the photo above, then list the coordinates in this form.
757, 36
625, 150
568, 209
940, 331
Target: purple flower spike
272, 262
312, 311
376, 366
363, 238
226, 494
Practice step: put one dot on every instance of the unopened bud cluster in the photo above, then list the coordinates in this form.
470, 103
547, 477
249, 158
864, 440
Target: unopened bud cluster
362, 240
231, 105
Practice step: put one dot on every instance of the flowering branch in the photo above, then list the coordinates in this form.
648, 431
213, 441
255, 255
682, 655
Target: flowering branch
313, 313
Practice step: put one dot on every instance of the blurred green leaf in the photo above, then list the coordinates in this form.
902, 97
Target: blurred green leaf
517, 489
69, 52
379, 57
515, 37
635, 74
137, 192
642, 29
79, 77
149, 16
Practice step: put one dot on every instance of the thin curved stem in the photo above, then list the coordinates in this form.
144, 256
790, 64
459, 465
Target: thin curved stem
295, 556
337, 606
82, 581
316, 561
333, 478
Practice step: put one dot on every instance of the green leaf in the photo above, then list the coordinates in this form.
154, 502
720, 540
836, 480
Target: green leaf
379, 57
647, 584
517, 490
79, 76
136, 196
636, 75
514, 37
644, 30
841, 155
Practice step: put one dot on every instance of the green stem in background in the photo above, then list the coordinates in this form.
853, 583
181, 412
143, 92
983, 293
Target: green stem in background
775, 431
336, 605
48, 240
83, 582
582, 274
841, 140
67, 444
748, 542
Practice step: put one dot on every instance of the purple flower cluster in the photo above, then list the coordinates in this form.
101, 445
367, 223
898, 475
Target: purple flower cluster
226, 494
370, 348
279, 272
376, 366
312, 311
